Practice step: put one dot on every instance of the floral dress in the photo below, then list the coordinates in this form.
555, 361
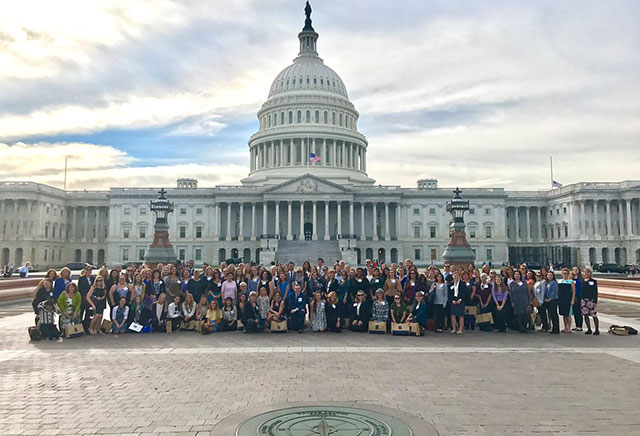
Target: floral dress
319, 321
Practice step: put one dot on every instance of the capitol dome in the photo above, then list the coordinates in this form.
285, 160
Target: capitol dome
308, 125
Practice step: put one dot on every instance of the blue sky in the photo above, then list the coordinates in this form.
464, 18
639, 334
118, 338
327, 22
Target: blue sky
139, 93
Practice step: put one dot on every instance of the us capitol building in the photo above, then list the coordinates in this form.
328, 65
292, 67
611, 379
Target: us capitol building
291, 207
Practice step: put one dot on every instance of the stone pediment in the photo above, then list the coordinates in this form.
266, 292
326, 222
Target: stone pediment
307, 184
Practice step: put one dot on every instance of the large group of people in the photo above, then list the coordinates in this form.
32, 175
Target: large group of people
317, 297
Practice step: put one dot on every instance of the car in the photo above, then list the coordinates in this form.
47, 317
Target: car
78, 265
612, 268
234, 260
128, 264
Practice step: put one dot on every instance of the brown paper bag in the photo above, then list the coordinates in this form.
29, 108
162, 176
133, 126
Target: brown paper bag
73, 331
414, 329
471, 310
484, 318
377, 327
106, 326
198, 325
240, 325
400, 329
169, 326
279, 326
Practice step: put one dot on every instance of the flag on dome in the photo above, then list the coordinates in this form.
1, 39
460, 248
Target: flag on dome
314, 157
555, 184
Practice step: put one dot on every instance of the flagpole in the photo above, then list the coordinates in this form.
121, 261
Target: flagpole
551, 165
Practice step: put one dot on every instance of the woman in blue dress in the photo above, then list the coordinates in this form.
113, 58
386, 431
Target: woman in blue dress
566, 298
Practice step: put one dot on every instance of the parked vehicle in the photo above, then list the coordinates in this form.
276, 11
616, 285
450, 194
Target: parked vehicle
128, 264
612, 268
78, 265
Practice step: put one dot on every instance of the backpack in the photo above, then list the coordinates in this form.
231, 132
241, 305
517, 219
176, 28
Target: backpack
622, 330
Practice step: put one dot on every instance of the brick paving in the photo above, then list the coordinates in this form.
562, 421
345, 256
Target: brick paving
183, 383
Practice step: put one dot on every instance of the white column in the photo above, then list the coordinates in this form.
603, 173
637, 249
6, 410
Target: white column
397, 216
216, 221
97, 232
375, 223
517, 224
629, 223
539, 223
315, 221
528, 227
339, 231
253, 221
583, 227
264, 218
228, 221
363, 232
596, 227
326, 220
85, 227
301, 237
351, 220
607, 208
289, 221
387, 235
241, 223
277, 223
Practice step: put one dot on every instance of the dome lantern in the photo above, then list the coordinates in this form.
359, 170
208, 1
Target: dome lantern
308, 37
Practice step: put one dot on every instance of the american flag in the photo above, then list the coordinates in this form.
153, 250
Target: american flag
555, 184
314, 157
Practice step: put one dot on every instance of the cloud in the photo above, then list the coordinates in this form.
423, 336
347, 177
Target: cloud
95, 167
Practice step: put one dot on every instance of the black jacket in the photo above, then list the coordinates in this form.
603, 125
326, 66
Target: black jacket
83, 286
365, 312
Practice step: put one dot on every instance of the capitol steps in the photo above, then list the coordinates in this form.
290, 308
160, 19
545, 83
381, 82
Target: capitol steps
300, 251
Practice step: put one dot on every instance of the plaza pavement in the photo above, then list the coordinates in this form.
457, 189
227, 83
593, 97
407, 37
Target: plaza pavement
184, 384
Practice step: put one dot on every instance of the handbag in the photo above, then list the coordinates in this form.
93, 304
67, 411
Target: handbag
35, 334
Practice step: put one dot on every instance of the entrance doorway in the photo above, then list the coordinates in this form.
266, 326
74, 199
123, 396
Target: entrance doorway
308, 231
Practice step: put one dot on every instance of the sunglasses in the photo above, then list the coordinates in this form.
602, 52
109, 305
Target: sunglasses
396, 298
360, 295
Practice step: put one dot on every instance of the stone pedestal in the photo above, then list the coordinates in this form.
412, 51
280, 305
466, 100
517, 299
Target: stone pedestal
160, 250
458, 252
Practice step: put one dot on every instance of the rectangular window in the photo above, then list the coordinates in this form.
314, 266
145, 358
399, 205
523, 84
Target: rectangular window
199, 232
566, 232
472, 211
432, 211
125, 233
564, 210
487, 211
416, 211
46, 231
183, 232
141, 254
125, 255
416, 254
472, 231
199, 211
489, 254
143, 233
416, 231
198, 254
181, 255
143, 211
183, 211
127, 211
432, 231
45, 254
487, 231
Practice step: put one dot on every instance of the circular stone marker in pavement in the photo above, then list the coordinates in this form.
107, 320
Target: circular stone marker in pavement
328, 420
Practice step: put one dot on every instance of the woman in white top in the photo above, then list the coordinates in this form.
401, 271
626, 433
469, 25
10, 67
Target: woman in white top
174, 315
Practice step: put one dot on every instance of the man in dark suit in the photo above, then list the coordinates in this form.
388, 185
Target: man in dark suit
84, 284
291, 273
297, 307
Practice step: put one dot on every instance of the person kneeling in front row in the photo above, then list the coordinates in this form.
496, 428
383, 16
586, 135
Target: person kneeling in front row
333, 311
119, 317
251, 314
174, 314
360, 314
419, 311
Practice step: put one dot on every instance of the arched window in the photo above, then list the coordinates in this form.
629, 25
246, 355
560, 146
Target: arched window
307, 80
315, 81
333, 118
281, 118
301, 80
269, 120
308, 117
299, 116
290, 117
340, 118
321, 81
317, 116
326, 117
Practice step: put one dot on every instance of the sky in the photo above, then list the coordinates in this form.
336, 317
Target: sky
475, 94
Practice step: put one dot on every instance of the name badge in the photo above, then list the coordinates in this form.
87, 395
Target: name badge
591, 283
393, 281
333, 305
359, 280
299, 299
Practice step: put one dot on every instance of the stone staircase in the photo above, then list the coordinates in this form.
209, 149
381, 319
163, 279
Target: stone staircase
299, 251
